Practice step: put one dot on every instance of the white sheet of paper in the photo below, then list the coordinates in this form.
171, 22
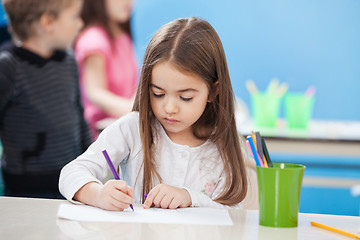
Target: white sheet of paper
203, 216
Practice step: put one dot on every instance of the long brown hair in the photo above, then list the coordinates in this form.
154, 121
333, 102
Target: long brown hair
94, 13
192, 45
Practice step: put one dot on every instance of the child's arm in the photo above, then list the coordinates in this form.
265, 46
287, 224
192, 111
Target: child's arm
96, 88
6, 87
80, 180
7, 73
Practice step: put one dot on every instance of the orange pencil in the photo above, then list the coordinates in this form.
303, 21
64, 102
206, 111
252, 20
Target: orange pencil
254, 139
334, 230
265, 162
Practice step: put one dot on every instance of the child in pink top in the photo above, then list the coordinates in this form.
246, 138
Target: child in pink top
105, 53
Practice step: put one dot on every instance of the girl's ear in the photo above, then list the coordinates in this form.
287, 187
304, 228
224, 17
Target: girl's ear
214, 91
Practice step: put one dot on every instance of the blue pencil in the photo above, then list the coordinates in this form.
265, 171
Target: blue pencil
113, 170
253, 149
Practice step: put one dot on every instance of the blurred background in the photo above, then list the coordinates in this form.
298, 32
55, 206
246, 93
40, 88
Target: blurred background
302, 43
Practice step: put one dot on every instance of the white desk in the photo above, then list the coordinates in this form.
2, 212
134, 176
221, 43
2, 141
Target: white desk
24, 218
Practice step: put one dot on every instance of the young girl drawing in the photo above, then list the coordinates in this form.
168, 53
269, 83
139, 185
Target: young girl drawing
180, 144
106, 59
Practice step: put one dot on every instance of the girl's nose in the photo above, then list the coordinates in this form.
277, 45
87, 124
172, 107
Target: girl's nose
171, 106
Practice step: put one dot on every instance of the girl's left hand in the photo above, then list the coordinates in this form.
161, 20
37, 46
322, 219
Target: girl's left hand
166, 196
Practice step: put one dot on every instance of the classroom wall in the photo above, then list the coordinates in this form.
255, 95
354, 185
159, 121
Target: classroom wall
303, 43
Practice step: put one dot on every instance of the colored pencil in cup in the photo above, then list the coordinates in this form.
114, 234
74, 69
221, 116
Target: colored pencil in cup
266, 153
254, 151
260, 148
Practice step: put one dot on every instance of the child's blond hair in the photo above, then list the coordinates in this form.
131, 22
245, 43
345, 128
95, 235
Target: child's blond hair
23, 13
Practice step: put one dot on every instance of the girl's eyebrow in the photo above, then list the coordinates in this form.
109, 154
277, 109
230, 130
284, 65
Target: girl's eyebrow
154, 86
182, 90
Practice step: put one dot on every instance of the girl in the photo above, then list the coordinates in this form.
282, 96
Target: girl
106, 59
180, 144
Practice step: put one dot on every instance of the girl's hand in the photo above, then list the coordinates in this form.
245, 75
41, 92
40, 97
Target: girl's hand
166, 196
115, 195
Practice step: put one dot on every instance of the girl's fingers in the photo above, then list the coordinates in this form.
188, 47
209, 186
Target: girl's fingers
166, 196
174, 204
115, 195
121, 197
130, 191
115, 207
165, 202
158, 198
122, 187
150, 197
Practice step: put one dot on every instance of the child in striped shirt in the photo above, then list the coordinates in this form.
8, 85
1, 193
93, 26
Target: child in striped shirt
42, 126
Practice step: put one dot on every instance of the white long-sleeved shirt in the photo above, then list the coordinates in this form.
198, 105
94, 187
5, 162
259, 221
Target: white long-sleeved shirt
197, 169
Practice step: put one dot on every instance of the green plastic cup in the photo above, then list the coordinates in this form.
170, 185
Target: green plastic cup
298, 110
265, 109
279, 194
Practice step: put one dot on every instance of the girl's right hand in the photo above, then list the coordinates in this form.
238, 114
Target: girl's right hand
115, 195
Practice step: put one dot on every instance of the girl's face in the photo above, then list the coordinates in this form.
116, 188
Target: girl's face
119, 10
177, 100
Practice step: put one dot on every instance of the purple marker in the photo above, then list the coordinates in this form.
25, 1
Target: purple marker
112, 168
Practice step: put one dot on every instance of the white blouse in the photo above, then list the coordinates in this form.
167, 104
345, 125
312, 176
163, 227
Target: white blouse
197, 169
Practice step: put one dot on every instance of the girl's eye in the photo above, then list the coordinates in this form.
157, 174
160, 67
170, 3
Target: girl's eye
157, 95
186, 99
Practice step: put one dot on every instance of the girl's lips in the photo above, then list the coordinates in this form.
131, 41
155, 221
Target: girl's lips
170, 120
